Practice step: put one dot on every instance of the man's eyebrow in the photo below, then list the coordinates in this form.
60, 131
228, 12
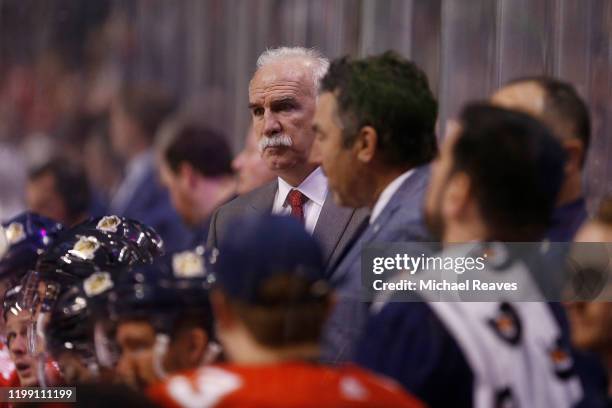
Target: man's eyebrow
253, 105
284, 99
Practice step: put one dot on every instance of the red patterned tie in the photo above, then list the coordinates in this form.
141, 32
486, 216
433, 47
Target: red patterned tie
296, 200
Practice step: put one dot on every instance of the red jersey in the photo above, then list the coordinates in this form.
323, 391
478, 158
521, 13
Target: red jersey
8, 375
7, 368
288, 385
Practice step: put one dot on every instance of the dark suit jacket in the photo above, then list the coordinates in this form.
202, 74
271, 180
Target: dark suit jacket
150, 204
400, 221
334, 228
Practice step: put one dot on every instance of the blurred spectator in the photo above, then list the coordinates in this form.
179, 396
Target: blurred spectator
59, 190
195, 166
252, 172
13, 176
592, 321
102, 165
558, 105
136, 116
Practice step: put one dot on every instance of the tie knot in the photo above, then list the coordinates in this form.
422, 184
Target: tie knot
295, 198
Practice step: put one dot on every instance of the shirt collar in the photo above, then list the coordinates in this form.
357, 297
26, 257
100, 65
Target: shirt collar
387, 193
314, 187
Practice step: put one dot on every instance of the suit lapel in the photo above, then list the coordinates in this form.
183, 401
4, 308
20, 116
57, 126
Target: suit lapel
403, 196
264, 200
331, 224
352, 253
349, 246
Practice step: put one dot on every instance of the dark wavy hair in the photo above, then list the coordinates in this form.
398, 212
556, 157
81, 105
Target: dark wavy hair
516, 168
392, 95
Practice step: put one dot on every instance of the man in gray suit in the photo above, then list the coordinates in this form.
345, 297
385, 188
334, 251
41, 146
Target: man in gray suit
282, 101
374, 128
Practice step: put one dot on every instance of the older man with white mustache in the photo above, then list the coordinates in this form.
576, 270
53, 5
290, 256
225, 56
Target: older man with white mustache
282, 101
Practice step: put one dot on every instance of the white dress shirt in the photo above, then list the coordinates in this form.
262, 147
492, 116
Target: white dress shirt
314, 187
387, 193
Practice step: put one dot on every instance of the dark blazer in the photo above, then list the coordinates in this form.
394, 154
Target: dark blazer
400, 221
151, 205
334, 228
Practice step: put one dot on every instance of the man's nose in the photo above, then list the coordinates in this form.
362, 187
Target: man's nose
19, 345
271, 124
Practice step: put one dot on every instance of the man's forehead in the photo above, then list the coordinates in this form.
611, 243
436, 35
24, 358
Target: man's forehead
594, 232
135, 326
526, 97
327, 106
327, 102
21, 318
288, 74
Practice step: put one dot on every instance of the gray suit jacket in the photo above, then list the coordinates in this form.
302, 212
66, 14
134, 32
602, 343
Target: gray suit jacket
400, 221
334, 228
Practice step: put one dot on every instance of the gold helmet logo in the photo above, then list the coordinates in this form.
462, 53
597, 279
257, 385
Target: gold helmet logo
108, 223
97, 283
15, 233
188, 264
85, 248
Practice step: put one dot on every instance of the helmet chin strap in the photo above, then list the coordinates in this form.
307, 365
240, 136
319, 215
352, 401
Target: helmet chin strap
36, 336
102, 348
40, 370
159, 352
30, 291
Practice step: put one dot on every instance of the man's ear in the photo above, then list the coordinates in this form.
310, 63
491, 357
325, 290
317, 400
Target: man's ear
457, 195
198, 340
187, 174
366, 143
574, 148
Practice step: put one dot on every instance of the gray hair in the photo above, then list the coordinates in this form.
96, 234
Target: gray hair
319, 66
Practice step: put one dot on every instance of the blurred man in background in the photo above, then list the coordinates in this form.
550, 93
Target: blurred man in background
103, 167
374, 150
251, 171
270, 304
195, 166
136, 116
59, 190
591, 322
282, 100
558, 106
476, 352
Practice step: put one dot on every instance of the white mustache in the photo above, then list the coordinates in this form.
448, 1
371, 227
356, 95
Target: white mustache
274, 141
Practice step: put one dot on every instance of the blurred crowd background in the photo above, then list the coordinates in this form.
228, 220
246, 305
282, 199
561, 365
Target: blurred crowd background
63, 63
